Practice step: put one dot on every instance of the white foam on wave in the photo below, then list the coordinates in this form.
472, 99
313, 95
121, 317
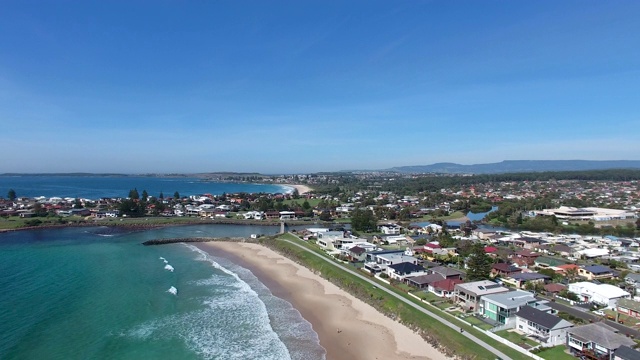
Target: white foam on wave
173, 290
168, 267
163, 259
292, 329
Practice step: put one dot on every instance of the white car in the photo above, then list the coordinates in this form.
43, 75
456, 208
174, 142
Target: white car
599, 312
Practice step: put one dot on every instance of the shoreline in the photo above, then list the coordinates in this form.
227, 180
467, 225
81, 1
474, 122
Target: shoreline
302, 189
347, 327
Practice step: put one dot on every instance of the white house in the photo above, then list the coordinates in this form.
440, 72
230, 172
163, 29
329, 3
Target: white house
601, 294
548, 329
390, 229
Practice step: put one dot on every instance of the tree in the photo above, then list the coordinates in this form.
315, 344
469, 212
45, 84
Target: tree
77, 204
11, 194
325, 216
478, 263
363, 220
131, 207
306, 205
133, 194
176, 195
161, 196
145, 195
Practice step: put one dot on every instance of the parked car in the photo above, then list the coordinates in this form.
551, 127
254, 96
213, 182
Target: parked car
599, 312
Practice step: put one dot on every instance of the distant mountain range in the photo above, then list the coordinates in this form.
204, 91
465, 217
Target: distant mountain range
514, 166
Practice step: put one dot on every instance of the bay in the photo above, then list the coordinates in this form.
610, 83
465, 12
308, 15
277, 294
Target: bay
80, 293
99, 186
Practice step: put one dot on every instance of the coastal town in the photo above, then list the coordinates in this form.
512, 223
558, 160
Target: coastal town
562, 293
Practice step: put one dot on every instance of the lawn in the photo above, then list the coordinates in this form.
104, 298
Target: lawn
478, 323
516, 338
555, 353
312, 202
453, 215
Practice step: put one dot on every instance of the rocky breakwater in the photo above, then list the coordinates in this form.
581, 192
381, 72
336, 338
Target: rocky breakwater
191, 240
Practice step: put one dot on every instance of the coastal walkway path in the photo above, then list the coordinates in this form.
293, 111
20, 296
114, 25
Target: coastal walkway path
446, 322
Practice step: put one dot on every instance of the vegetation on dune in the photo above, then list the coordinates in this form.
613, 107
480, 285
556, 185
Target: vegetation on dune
447, 340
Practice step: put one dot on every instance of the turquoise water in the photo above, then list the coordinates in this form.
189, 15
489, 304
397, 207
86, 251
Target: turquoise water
96, 293
96, 187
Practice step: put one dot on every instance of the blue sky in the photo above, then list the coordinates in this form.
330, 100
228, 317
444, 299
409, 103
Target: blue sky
306, 86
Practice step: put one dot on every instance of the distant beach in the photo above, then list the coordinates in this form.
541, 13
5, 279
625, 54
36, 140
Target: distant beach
302, 189
347, 327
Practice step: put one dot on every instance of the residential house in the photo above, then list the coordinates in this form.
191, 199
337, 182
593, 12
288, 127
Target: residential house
423, 281
444, 288
327, 239
528, 255
528, 242
567, 269
502, 307
561, 249
632, 279
629, 307
469, 295
378, 261
521, 280
554, 288
547, 261
595, 272
504, 270
357, 253
596, 340
549, 330
601, 294
626, 353
404, 269
447, 272
390, 229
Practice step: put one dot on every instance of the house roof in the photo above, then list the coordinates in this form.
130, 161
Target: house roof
549, 261
406, 268
626, 353
511, 299
358, 250
490, 249
446, 284
554, 287
602, 335
426, 279
629, 304
603, 290
597, 269
568, 266
542, 318
527, 253
505, 267
446, 271
633, 276
482, 287
562, 248
529, 276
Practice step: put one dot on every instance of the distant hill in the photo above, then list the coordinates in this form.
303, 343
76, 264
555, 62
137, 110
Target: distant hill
515, 166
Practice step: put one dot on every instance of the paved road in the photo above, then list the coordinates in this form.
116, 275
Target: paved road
410, 303
589, 316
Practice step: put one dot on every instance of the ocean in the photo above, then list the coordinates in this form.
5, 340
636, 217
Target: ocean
97, 293
98, 186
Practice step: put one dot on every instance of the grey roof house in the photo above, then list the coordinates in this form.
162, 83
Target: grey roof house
548, 329
596, 340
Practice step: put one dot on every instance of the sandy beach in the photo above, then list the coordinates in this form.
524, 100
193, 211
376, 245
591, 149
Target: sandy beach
347, 327
302, 189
